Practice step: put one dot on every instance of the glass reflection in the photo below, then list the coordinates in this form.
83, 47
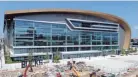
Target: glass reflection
29, 33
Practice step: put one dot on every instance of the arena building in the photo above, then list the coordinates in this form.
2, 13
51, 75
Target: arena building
71, 33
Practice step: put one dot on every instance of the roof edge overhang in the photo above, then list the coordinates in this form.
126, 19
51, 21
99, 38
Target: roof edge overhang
123, 24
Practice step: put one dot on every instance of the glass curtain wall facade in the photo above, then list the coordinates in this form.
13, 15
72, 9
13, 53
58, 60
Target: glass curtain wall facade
50, 35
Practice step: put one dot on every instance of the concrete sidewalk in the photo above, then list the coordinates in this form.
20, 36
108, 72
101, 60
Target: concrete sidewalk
2, 58
4, 66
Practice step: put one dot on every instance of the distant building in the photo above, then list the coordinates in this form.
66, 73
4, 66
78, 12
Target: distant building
73, 33
134, 42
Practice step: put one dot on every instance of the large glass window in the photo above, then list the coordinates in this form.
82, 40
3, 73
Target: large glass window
27, 50
29, 33
106, 47
58, 34
106, 38
96, 38
42, 31
114, 47
72, 37
96, 43
114, 38
23, 33
41, 43
77, 24
24, 43
72, 48
96, 35
24, 24
94, 25
96, 48
85, 48
85, 38
58, 49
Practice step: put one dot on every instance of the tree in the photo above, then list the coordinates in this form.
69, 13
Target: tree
128, 51
113, 52
57, 57
30, 59
135, 49
46, 57
131, 50
7, 57
123, 51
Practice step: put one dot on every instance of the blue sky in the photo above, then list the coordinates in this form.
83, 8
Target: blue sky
126, 10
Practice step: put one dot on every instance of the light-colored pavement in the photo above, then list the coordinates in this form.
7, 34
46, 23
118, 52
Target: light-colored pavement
118, 64
4, 66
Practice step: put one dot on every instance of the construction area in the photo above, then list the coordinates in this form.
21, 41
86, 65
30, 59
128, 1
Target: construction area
108, 66
79, 69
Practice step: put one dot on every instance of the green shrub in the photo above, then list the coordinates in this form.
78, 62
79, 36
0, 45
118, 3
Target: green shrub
131, 50
135, 50
46, 57
123, 52
56, 58
8, 60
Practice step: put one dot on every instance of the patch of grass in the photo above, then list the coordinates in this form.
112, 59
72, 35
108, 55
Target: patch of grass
8, 60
